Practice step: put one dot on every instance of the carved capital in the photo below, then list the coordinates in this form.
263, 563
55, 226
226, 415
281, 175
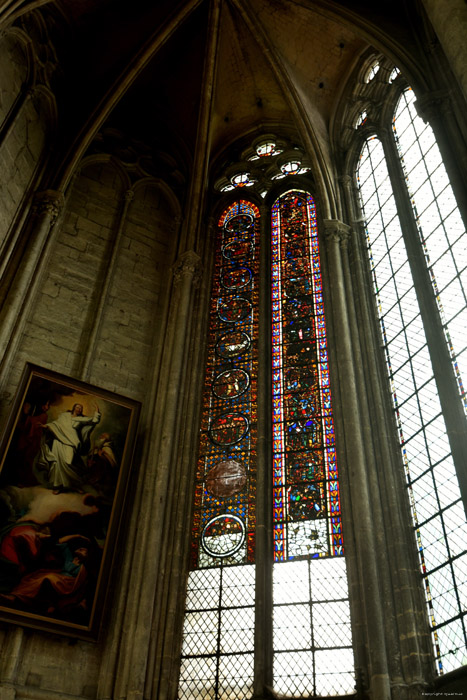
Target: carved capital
48, 203
336, 231
347, 181
187, 266
433, 105
129, 196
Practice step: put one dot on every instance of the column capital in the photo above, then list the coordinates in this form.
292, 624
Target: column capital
129, 195
48, 202
433, 105
187, 265
346, 180
337, 231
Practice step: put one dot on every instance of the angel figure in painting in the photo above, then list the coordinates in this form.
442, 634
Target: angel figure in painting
64, 458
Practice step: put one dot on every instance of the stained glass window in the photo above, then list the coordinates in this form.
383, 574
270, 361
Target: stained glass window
311, 618
218, 637
311, 613
438, 513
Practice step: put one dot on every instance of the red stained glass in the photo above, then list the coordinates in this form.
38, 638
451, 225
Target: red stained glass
305, 482
224, 521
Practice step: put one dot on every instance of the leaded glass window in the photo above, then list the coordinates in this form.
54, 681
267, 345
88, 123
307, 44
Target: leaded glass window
311, 615
218, 636
310, 611
440, 225
437, 508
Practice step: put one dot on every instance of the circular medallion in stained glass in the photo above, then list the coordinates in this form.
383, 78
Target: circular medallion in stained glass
241, 222
233, 344
223, 535
237, 250
234, 310
226, 479
229, 428
236, 278
230, 384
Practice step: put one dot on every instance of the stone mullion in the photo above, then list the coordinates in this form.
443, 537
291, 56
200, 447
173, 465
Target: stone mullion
98, 311
410, 625
263, 675
45, 211
446, 383
355, 458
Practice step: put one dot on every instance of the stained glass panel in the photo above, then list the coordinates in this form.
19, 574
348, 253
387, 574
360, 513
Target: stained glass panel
218, 638
311, 621
225, 489
307, 517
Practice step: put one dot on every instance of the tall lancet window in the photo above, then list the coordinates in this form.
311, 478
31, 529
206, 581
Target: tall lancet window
218, 637
310, 608
416, 267
311, 617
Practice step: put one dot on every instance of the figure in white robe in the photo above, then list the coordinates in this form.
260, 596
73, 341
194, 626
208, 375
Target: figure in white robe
64, 459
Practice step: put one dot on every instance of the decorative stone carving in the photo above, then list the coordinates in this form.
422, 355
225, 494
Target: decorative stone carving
48, 203
433, 105
336, 231
187, 265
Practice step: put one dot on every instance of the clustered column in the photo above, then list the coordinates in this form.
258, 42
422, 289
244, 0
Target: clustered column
354, 461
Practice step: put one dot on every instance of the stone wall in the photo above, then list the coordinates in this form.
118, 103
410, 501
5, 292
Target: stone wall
25, 118
98, 315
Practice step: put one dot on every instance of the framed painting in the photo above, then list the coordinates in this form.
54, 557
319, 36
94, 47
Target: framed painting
65, 466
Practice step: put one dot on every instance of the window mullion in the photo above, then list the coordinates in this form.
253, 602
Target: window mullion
442, 365
263, 599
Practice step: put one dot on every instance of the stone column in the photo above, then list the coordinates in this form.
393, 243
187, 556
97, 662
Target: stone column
356, 466
404, 615
45, 210
199, 180
156, 507
170, 608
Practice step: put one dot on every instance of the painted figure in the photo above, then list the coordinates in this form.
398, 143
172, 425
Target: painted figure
70, 434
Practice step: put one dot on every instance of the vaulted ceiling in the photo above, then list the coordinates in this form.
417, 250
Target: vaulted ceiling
138, 66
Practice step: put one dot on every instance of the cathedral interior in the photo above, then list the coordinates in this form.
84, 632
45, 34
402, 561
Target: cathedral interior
141, 143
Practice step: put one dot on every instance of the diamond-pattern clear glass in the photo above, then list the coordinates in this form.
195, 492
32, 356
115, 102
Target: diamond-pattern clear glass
217, 659
433, 486
311, 628
433, 202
